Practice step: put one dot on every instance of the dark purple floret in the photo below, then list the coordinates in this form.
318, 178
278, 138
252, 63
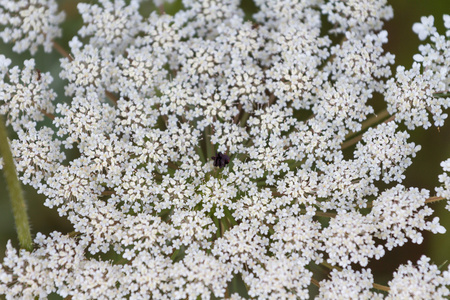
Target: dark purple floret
220, 160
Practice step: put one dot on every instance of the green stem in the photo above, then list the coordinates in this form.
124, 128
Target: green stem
200, 154
441, 95
15, 191
244, 118
225, 225
61, 50
326, 215
434, 199
229, 216
329, 266
217, 223
381, 287
209, 145
351, 140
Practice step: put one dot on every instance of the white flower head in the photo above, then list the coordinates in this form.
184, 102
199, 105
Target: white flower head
424, 280
425, 28
411, 96
348, 284
212, 149
444, 179
4, 64
349, 238
400, 215
114, 25
447, 24
26, 94
30, 24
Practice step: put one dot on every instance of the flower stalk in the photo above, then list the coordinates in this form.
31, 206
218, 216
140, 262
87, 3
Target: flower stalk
15, 190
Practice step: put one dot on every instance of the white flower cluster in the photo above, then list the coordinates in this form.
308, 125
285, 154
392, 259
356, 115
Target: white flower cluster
27, 90
113, 24
414, 94
30, 24
58, 265
348, 284
444, 190
424, 281
210, 151
397, 214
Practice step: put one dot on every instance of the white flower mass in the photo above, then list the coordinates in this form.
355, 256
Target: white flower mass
154, 98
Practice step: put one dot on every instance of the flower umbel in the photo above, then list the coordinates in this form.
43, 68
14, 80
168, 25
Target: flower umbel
156, 101
30, 24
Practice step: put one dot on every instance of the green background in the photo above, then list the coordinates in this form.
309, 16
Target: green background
422, 174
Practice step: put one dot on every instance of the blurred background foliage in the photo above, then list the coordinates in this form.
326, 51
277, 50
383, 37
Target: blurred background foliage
423, 173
